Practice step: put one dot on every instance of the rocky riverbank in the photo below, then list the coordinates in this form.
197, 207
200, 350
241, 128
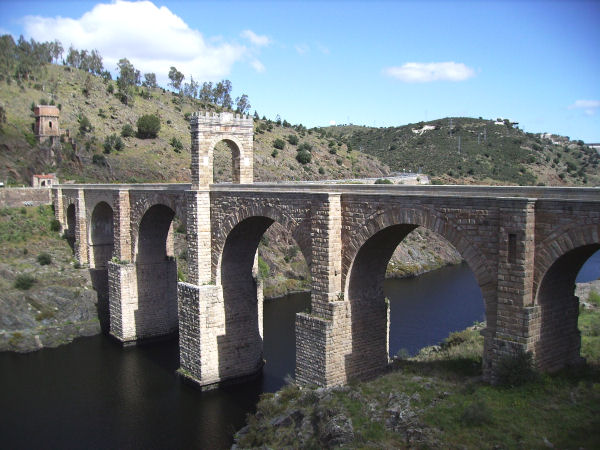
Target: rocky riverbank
45, 299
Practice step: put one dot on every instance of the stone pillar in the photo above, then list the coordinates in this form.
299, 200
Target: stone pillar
59, 212
517, 319
122, 226
323, 337
81, 236
123, 300
198, 236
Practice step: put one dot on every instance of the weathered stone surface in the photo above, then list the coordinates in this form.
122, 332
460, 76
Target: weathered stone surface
524, 245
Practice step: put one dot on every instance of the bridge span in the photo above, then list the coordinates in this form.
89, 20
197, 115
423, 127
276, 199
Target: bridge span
525, 246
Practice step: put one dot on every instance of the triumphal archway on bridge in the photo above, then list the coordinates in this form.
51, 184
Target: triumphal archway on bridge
524, 245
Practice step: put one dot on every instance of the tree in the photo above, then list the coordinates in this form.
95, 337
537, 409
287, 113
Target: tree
242, 104
206, 92
126, 80
73, 57
95, 62
148, 126
191, 89
176, 78
149, 80
8, 50
56, 49
222, 94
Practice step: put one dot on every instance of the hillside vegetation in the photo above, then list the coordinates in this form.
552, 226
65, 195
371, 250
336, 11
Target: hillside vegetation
98, 114
490, 152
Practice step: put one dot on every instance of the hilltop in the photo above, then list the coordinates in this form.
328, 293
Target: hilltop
490, 152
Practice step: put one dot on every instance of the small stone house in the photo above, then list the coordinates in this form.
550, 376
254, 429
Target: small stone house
44, 180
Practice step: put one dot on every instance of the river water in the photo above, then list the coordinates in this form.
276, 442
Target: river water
95, 394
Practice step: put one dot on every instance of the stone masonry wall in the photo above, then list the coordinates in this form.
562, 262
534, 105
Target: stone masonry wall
17, 197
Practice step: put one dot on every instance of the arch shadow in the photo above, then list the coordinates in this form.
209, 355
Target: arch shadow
240, 346
101, 241
364, 289
559, 340
69, 232
156, 275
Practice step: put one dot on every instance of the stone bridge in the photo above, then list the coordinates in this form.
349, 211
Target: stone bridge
525, 246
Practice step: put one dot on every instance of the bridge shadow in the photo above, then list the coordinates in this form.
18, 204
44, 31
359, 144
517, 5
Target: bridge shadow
99, 279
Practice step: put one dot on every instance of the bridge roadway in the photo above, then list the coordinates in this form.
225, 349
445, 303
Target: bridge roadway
525, 246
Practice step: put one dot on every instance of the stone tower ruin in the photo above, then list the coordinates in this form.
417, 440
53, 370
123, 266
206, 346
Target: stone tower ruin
46, 122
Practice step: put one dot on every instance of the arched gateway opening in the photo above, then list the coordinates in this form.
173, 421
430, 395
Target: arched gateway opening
240, 347
370, 309
559, 340
101, 241
226, 162
156, 273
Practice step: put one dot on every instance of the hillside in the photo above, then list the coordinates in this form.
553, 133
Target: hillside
144, 160
491, 152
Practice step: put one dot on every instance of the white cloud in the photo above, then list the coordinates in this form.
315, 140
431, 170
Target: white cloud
302, 48
590, 107
255, 39
151, 37
413, 72
332, 123
258, 66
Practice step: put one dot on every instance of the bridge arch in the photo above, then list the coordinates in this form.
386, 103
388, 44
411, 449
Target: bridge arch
101, 244
101, 236
156, 274
240, 346
371, 251
560, 259
299, 230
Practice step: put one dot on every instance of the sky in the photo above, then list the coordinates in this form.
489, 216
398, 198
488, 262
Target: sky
371, 63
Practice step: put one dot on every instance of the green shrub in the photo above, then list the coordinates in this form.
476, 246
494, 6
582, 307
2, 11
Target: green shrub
303, 157
274, 153
515, 370
477, 413
127, 131
99, 160
176, 144
383, 181
85, 126
55, 225
24, 281
292, 139
321, 171
279, 144
112, 141
305, 146
148, 126
44, 259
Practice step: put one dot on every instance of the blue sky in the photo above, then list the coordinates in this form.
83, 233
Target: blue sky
369, 63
